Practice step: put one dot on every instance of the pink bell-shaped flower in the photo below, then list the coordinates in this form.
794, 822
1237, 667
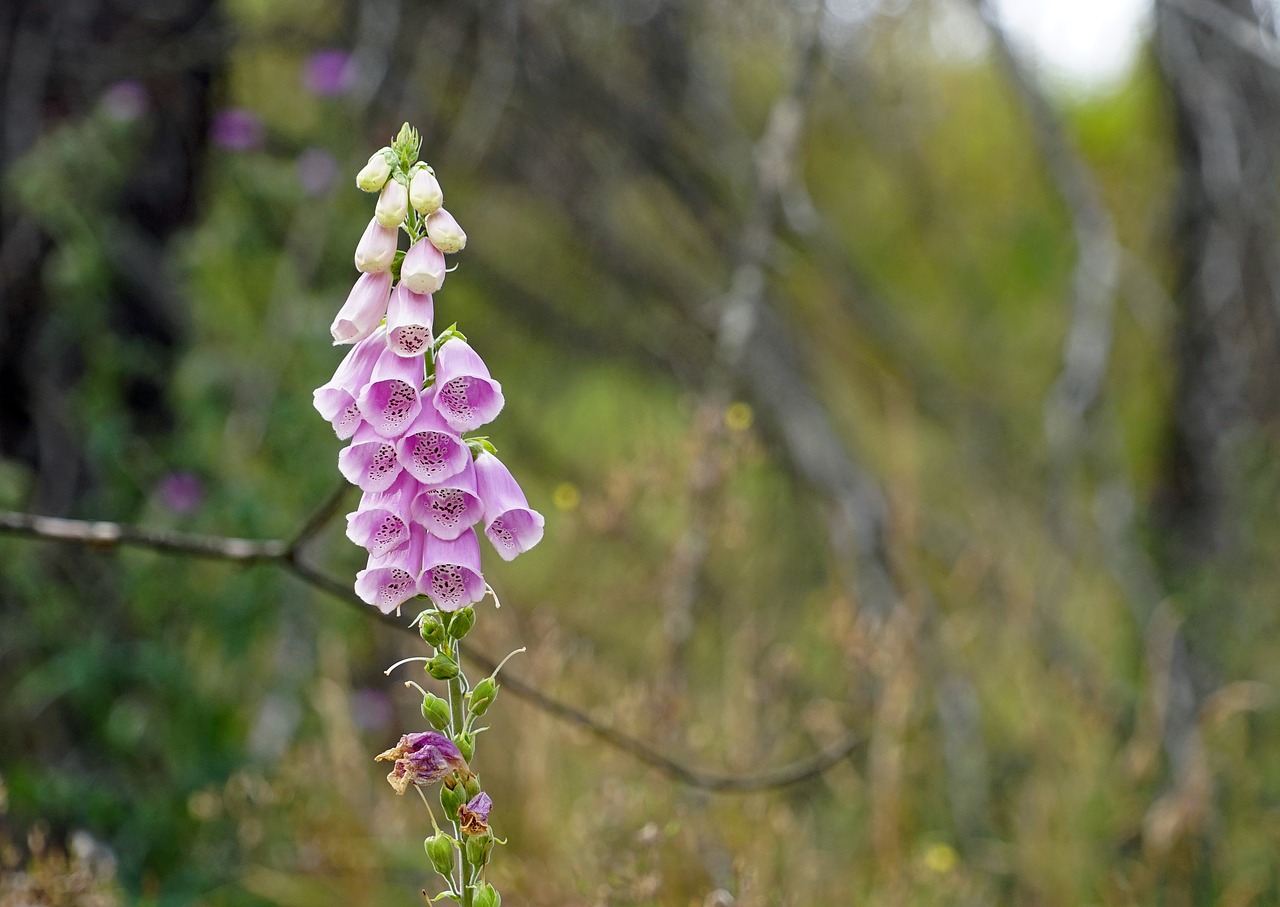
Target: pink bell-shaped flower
336, 400
381, 524
451, 507
451, 571
390, 401
390, 581
361, 314
409, 317
369, 462
430, 450
464, 395
509, 523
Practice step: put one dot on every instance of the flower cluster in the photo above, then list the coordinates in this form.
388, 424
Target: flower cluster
405, 399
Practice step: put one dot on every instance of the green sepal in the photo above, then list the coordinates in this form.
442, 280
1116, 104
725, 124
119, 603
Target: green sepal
432, 630
462, 622
439, 848
477, 849
480, 444
466, 745
451, 800
436, 711
442, 667
483, 695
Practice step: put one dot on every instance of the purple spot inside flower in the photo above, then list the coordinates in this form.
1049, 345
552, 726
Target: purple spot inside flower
317, 171
329, 72
181, 492
236, 130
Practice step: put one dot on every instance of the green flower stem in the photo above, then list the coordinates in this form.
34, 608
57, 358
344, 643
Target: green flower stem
458, 726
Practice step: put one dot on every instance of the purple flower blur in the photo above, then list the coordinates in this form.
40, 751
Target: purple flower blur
236, 130
181, 492
317, 171
422, 758
329, 72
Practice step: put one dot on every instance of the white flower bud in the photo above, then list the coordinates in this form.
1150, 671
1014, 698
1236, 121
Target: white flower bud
374, 174
444, 232
393, 204
424, 192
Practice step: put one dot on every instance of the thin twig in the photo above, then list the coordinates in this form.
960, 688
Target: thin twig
1086, 349
107, 535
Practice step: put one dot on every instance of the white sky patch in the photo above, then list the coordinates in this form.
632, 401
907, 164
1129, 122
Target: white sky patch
1089, 45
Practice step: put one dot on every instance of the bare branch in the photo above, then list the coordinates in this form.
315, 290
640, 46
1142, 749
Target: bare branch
1087, 346
104, 534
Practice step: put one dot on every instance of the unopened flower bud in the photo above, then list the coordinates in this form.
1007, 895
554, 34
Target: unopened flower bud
424, 191
486, 896
467, 744
423, 268
436, 711
440, 851
462, 622
478, 848
471, 787
393, 204
432, 631
374, 174
377, 248
444, 232
442, 667
450, 798
483, 695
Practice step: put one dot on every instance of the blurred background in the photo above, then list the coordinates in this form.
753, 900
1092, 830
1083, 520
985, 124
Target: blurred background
899, 376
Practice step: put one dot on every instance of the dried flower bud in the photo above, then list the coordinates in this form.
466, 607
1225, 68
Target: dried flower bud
462, 622
393, 204
442, 667
424, 191
486, 896
436, 711
374, 174
440, 851
483, 695
444, 232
